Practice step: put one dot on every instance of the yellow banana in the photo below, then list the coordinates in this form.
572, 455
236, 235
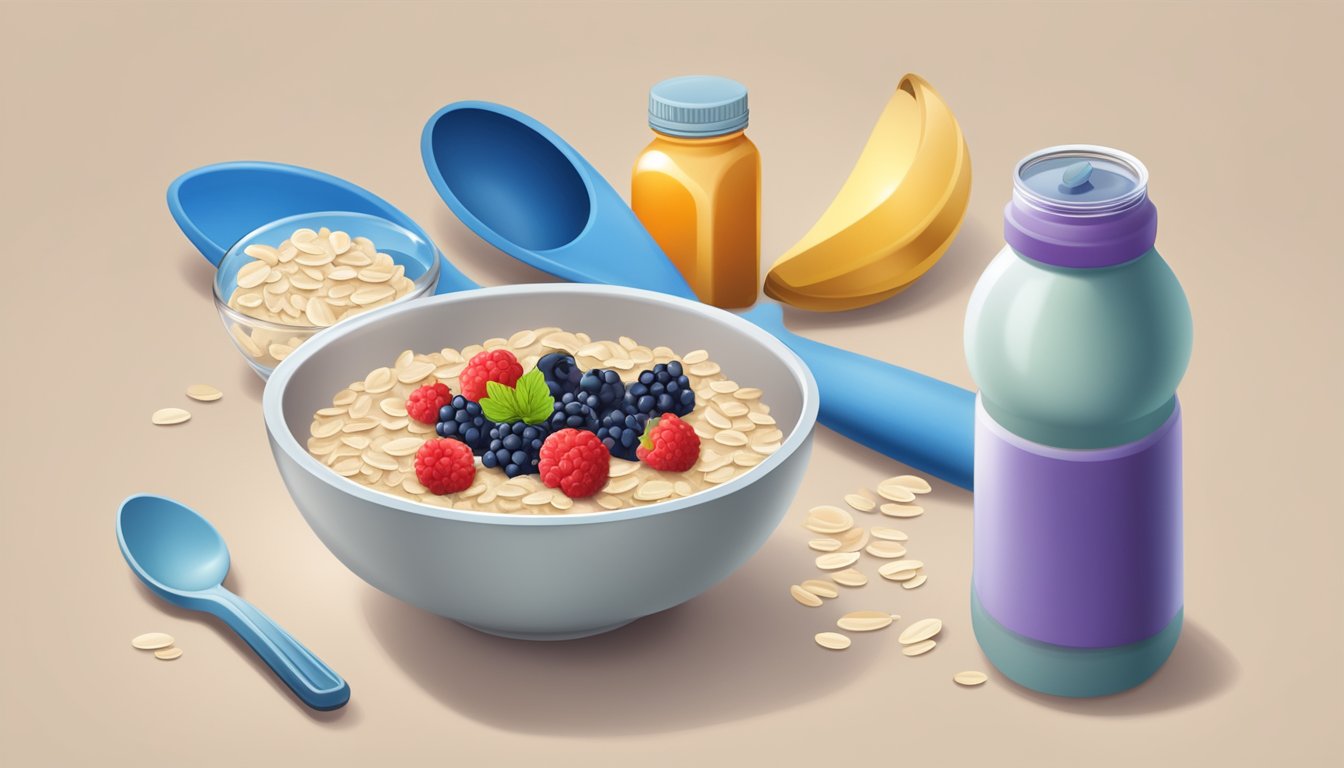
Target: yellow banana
895, 215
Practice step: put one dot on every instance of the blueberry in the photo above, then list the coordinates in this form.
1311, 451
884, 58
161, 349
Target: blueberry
620, 432
515, 447
664, 389
575, 410
604, 384
462, 419
560, 372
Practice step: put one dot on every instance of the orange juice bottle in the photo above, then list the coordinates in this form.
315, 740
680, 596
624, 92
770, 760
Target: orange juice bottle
697, 187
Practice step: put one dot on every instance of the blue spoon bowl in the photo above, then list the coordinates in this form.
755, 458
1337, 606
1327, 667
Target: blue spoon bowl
182, 558
524, 190
218, 205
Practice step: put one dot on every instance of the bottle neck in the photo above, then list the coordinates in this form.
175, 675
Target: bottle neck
723, 138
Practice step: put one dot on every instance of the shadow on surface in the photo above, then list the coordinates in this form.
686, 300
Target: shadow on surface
742, 649
956, 271
345, 717
248, 380
1200, 669
874, 463
197, 274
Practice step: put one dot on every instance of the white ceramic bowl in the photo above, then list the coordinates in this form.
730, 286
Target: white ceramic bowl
554, 576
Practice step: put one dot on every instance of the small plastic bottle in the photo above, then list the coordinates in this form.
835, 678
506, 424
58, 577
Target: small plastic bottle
1078, 334
697, 187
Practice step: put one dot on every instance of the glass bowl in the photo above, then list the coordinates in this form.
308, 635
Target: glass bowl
264, 343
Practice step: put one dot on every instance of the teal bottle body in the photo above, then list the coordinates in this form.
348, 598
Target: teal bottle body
1078, 334
1078, 358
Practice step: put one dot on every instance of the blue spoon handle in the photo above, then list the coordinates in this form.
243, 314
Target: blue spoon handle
311, 680
920, 421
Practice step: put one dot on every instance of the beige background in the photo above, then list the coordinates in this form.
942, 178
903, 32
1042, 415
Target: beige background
106, 317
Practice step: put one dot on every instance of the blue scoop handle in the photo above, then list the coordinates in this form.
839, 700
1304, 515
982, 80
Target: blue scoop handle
311, 680
913, 418
523, 189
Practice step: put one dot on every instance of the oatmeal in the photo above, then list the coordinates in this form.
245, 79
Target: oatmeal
368, 436
313, 279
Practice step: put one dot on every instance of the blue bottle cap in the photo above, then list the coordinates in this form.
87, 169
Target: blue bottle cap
1081, 179
698, 105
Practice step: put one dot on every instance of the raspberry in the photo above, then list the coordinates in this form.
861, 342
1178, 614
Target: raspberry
445, 466
669, 444
574, 461
491, 365
424, 403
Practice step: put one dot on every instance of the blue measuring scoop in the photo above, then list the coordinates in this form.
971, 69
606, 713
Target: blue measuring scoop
524, 190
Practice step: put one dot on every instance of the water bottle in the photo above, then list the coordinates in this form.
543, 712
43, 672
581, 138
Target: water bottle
1077, 335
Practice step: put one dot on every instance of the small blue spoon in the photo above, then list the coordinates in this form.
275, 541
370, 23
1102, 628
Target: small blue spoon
182, 558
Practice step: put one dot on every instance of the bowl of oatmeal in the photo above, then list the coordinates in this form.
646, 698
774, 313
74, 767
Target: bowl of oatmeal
511, 548
287, 280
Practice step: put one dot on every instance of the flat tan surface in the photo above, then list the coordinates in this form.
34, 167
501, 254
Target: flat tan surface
106, 317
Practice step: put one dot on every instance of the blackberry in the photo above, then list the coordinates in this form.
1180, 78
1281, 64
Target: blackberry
576, 410
665, 389
604, 384
620, 432
561, 373
515, 447
462, 419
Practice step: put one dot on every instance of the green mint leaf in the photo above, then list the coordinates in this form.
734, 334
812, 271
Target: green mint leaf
500, 404
533, 398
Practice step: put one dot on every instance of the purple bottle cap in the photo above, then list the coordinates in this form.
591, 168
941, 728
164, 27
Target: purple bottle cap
1080, 206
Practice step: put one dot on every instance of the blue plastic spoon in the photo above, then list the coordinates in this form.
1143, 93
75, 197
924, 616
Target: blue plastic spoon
182, 558
216, 205
519, 186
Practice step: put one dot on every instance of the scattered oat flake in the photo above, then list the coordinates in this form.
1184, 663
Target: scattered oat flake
850, 577
900, 570
889, 534
920, 631
916, 582
804, 597
865, 621
832, 641
824, 545
887, 550
167, 416
820, 588
152, 641
916, 484
970, 678
860, 502
828, 519
204, 393
920, 648
902, 510
837, 560
896, 493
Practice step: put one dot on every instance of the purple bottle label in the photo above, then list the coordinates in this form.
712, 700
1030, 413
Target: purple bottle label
1079, 548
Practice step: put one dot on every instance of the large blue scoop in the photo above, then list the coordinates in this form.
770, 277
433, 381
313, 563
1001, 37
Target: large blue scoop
519, 186
216, 205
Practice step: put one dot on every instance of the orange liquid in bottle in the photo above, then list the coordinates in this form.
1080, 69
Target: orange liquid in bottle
700, 198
